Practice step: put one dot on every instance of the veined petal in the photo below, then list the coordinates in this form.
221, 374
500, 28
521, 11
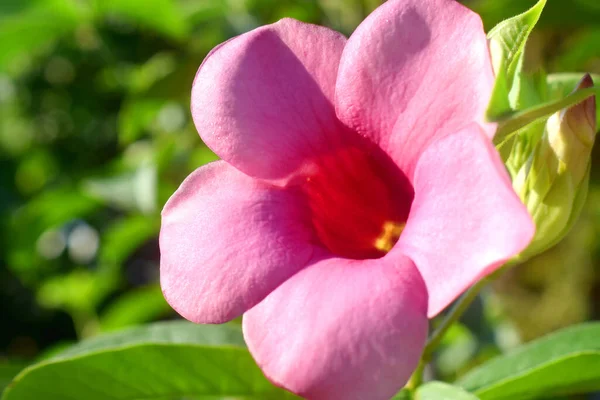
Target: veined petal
227, 241
465, 220
412, 72
342, 329
263, 101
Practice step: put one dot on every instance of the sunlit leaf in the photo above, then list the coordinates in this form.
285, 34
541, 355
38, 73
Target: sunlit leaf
7, 372
49, 209
135, 307
565, 362
129, 191
79, 290
561, 84
165, 360
456, 349
163, 16
27, 29
507, 42
403, 395
442, 390
557, 14
124, 236
204, 10
578, 51
136, 116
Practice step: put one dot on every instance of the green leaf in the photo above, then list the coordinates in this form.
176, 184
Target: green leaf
515, 121
133, 190
565, 362
32, 27
441, 390
161, 361
404, 394
529, 90
579, 51
47, 210
7, 372
136, 116
163, 16
563, 83
79, 290
126, 235
560, 15
507, 42
197, 12
456, 350
134, 307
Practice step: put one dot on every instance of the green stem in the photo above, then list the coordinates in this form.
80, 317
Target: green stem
457, 310
451, 317
417, 377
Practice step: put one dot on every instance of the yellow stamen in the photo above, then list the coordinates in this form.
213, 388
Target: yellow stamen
389, 236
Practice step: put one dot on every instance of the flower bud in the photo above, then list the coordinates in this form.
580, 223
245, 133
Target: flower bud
571, 133
553, 183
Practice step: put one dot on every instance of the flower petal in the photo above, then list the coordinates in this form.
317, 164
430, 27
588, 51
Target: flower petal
412, 72
465, 220
263, 101
226, 242
342, 329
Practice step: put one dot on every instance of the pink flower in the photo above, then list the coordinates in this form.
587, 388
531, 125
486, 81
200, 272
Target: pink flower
359, 194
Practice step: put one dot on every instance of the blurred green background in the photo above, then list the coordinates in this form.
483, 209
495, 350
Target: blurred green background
95, 135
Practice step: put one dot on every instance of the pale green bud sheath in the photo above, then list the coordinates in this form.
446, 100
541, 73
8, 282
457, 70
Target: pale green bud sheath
571, 133
553, 183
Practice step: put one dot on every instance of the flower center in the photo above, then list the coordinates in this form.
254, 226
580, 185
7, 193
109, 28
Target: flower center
389, 236
358, 201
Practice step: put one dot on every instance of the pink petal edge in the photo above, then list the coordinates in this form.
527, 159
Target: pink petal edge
465, 220
263, 101
227, 241
412, 72
342, 329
